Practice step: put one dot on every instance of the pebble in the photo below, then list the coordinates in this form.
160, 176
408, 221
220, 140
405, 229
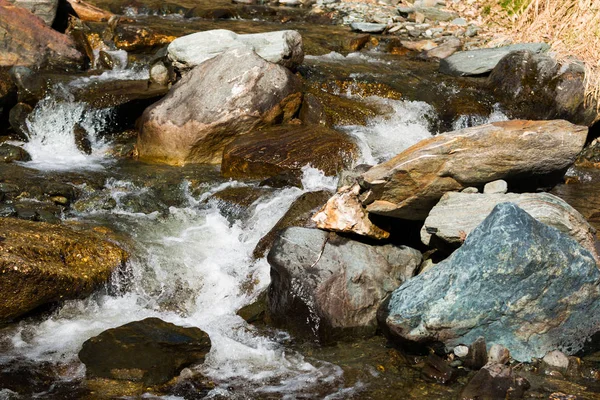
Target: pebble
461, 351
498, 354
496, 187
557, 359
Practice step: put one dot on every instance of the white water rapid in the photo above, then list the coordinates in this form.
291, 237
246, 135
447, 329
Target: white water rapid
193, 265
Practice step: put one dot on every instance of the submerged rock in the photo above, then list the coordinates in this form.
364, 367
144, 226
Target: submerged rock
151, 351
10, 153
28, 41
222, 98
322, 283
494, 381
529, 153
266, 153
280, 47
457, 214
515, 282
482, 61
42, 263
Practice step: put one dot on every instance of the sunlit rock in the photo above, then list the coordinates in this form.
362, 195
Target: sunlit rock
515, 282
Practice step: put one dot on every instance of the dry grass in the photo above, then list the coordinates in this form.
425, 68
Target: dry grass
571, 27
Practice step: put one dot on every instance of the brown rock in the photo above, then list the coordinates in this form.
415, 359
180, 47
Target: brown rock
138, 39
88, 12
229, 95
28, 41
344, 212
44, 9
42, 263
269, 152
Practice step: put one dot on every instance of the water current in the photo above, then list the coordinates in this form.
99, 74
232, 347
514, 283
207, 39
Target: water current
191, 265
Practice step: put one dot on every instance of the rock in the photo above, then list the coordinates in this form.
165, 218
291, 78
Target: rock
421, 45
461, 351
539, 87
266, 153
44, 9
151, 351
444, 50
159, 74
17, 118
345, 213
515, 282
229, 95
496, 187
116, 59
482, 61
29, 41
408, 185
42, 263
435, 14
280, 47
457, 214
10, 153
82, 140
298, 215
494, 381
367, 27
477, 356
331, 282
557, 359
140, 39
498, 354
89, 12
438, 370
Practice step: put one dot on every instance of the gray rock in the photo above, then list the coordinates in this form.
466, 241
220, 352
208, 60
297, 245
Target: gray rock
322, 283
557, 359
457, 214
496, 187
368, 27
481, 61
280, 47
226, 96
436, 14
459, 22
461, 351
498, 354
45, 9
515, 282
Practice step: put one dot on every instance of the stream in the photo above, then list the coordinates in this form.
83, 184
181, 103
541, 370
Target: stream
191, 260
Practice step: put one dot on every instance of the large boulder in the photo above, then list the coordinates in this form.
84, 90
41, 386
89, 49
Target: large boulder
324, 284
42, 263
515, 281
457, 214
45, 9
525, 153
229, 95
280, 47
151, 351
536, 86
266, 153
482, 61
28, 41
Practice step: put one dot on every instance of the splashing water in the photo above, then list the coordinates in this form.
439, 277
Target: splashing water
192, 267
466, 121
385, 136
52, 143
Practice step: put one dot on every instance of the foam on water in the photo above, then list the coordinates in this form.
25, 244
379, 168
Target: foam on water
192, 267
385, 136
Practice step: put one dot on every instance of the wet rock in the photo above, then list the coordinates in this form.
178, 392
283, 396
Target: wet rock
10, 153
18, 119
494, 381
457, 214
336, 110
29, 41
444, 50
477, 356
116, 59
133, 38
8, 93
367, 27
287, 178
529, 153
151, 351
438, 370
322, 283
82, 141
42, 263
235, 202
266, 153
345, 213
229, 95
515, 282
280, 47
298, 215
482, 61
44, 9
538, 86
